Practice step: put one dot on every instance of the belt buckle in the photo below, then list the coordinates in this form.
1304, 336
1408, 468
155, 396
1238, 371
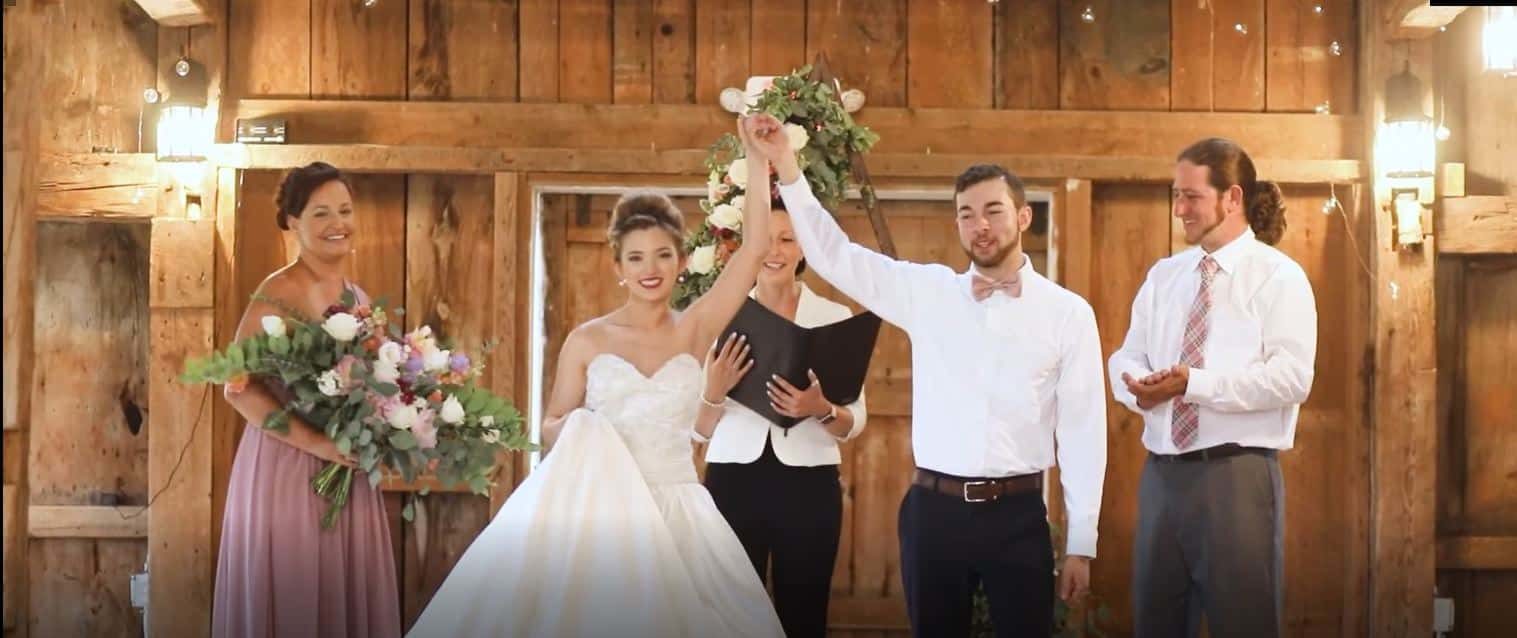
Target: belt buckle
966, 491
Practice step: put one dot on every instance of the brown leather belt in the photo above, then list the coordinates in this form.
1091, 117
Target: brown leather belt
978, 490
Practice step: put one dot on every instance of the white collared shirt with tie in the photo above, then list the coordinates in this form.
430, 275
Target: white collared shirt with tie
1259, 352
999, 387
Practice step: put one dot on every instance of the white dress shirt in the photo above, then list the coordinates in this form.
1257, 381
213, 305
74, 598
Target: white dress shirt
1260, 349
999, 387
741, 432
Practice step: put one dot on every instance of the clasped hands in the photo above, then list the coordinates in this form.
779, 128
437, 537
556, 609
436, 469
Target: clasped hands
1163, 385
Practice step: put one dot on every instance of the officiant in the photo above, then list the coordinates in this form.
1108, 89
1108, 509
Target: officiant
778, 487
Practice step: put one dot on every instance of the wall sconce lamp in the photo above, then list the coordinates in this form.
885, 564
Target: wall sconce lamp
1406, 153
184, 128
1407, 137
1500, 40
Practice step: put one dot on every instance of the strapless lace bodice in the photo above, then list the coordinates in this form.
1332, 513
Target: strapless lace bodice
652, 414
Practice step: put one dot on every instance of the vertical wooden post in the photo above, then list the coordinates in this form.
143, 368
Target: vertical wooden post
25, 61
509, 295
1404, 405
181, 315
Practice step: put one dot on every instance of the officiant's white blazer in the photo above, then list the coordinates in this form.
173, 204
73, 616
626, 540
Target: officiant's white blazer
740, 434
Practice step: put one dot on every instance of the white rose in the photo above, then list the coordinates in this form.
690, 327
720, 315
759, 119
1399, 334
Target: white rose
403, 417
726, 216
491, 436
452, 411
329, 383
392, 354
386, 373
342, 326
274, 325
798, 136
435, 360
702, 260
487, 421
738, 172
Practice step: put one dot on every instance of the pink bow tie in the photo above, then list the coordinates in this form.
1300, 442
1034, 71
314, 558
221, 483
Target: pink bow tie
983, 287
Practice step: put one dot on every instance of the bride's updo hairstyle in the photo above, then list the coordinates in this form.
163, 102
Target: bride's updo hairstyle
638, 210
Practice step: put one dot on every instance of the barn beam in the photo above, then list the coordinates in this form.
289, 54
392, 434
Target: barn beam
177, 13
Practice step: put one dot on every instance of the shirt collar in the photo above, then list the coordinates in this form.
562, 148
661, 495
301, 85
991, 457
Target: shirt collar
1228, 256
1024, 273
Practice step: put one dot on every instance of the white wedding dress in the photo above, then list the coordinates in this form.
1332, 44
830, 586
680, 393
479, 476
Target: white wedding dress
612, 534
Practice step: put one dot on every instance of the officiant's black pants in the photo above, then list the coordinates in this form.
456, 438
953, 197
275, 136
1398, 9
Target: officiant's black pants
949, 547
788, 519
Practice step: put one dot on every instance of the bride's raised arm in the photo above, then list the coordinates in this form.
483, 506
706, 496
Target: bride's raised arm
706, 318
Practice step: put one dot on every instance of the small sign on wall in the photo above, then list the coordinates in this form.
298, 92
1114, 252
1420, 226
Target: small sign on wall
265, 130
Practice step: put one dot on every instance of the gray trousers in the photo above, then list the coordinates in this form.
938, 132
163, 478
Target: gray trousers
1210, 539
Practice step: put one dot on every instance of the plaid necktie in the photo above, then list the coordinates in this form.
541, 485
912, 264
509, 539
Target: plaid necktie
1187, 419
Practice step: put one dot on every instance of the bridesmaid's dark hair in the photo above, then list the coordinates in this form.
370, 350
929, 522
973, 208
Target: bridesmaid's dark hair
1263, 203
645, 209
295, 191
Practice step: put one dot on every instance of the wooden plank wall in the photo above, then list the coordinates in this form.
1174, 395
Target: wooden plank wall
1168, 55
1477, 332
88, 328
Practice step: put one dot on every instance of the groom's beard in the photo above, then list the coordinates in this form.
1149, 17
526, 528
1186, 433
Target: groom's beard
997, 258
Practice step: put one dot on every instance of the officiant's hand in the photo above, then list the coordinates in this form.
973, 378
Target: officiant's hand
798, 404
1161, 386
725, 367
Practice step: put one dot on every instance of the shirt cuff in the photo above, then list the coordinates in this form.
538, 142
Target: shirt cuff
796, 188
1082, 539
1201, 386
696, 436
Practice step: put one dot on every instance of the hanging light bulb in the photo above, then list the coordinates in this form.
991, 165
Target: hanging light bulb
1335, 48
1088, 15
1442, 133
1317, 9
1500, 40
1325, 108
1241, 28
1329, 205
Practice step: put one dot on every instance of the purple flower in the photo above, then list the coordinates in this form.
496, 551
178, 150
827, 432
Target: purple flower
414, 363
459, 362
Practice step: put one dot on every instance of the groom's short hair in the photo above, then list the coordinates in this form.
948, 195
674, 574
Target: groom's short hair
984, 172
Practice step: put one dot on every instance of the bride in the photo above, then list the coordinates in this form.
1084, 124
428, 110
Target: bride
612, 535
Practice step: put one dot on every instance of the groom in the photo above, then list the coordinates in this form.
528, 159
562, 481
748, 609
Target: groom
1007, 377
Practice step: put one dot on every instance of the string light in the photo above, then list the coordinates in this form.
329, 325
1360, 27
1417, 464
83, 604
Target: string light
1241, 28
1325, 108
1335, 48
1443, 133
1333, 204
1317, 9
1088, 15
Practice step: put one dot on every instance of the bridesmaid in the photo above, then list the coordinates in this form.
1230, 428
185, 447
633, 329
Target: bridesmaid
279, 573
778, 488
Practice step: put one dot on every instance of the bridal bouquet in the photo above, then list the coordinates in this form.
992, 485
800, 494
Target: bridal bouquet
396, 402
825, 139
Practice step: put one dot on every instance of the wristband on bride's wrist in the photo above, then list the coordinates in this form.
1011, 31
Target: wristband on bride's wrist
709, 404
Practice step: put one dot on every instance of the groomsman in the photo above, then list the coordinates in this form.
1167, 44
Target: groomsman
1006, 377
1217, 360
